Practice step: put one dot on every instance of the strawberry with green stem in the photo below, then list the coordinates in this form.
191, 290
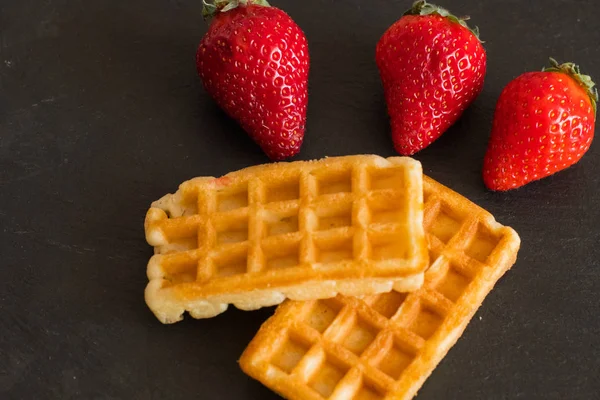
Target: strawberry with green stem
432, 67
254, 63
543, 123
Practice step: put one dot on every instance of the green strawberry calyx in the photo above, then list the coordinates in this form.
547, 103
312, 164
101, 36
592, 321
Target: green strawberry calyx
423, 8
585, 81
212, 7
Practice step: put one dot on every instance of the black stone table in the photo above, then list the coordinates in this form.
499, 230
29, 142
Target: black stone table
101, 112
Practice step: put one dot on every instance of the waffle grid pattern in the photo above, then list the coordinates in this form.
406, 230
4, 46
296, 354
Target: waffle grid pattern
350, 218
384, 346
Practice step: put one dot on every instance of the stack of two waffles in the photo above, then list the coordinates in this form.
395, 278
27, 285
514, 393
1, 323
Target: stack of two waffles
382, 268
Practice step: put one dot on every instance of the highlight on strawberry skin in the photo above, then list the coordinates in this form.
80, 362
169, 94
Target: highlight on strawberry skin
254, 63
543, 123
432, 67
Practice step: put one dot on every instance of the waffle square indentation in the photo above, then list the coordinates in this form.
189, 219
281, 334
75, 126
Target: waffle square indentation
231, 262
386, 178
388, 209
280, 223
282, 254
445, 226
388, 304
396, 358
387, 245
289, 354
331, 182
453, 284
333, 249
328, 375
283, 191
180, 268
332, 216
482, 244
359, 336
232, 198
323, 313
368, 391
426, 322
232, 230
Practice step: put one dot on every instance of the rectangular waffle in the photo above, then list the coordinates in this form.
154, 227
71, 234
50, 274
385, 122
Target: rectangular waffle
385, 346
302, 230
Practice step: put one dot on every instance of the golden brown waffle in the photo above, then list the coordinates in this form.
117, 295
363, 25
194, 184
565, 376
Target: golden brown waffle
300, 230
385, 346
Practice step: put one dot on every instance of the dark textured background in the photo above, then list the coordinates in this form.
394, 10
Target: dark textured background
101, 112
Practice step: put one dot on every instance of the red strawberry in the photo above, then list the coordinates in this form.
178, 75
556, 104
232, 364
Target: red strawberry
544, 123
432, 67
254, 62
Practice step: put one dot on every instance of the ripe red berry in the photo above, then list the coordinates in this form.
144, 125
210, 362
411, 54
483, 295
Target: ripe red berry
432, 67
254, 63
543, 123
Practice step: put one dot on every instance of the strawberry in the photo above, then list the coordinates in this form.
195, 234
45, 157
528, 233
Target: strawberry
432, 67
543, 123
254, 63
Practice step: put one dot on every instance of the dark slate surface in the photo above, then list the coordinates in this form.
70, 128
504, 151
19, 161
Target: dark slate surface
101, 112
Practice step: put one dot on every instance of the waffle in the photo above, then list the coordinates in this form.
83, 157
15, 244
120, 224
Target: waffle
385, 346
303, 230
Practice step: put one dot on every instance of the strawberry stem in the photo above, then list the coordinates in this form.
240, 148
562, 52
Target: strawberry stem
422, 7
585, 81
211, 8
